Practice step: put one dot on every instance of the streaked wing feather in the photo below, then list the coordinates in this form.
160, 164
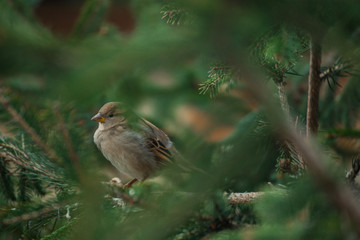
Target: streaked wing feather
161, 153
155, 132
158, 142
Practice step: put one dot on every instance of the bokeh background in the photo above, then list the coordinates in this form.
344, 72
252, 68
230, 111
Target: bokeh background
226, 80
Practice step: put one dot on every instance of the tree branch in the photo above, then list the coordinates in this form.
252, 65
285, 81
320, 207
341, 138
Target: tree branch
286, 109
68, 143
283, 98
314, 84
28, 216
15, 160
242, 198
15, 149
338, 193
34, 136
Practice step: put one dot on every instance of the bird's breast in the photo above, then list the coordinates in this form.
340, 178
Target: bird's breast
127, 151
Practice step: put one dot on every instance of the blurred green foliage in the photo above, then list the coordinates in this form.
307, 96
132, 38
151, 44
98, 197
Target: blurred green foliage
178, 50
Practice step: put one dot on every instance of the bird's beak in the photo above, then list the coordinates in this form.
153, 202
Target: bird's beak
98, 118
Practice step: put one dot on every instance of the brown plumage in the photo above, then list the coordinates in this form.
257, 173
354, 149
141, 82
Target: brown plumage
137, 148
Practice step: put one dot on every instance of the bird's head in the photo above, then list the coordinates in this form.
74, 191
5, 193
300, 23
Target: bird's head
110, 114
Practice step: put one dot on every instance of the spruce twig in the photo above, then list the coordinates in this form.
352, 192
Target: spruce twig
34, 136
173, 16
19, 162
176, 16
218, 76
23, 160
340, 68
15, 149
32, 215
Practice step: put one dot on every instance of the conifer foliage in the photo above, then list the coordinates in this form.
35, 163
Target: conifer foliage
261, 99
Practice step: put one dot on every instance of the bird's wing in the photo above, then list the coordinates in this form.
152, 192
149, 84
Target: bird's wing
164, 150
158, 142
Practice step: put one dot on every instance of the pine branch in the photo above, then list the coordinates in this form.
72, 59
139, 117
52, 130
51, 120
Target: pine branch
283, 98
34, 164
23, 186
286, 166
278, 52
218, 76
175, 16
338, 193
29, 216
339, 69
21, 163
243, 198
15, 149
312, 120
61, 233
68, 143
7, 186
35, 137
233, 198
172, 16
288, 145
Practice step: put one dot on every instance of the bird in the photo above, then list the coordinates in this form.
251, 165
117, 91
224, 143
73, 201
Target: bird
133, 145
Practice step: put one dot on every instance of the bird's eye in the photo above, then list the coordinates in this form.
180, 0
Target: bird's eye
111, 115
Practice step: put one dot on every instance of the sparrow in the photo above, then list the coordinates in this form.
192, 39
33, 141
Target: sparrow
134, 146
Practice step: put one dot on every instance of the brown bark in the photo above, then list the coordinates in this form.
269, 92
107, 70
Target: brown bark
312, 120
241, 198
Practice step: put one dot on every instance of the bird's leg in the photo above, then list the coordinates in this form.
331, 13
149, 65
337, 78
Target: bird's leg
129, 184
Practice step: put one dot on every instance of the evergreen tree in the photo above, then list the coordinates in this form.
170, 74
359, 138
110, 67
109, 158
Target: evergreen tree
261, 98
